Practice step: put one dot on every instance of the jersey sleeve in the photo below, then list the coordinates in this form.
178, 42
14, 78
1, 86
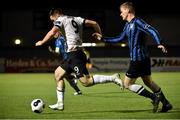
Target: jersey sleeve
58, 23
148, 29
118, 38
80, 20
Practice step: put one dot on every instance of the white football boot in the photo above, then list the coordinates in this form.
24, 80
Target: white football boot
57, 106
117, 80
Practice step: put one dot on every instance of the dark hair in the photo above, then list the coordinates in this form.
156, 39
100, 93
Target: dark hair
55, 11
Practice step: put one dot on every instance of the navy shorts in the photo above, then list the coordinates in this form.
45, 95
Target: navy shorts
139, 68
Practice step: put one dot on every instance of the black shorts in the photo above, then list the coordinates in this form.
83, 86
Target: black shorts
139, 68
76, 63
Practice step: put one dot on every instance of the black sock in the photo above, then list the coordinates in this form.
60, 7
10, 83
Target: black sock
162, 97
147, 94
76, 88
71, 77
74, 85
72, 82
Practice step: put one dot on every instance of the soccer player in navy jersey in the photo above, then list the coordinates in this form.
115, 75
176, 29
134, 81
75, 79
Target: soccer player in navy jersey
139, 58
60, 50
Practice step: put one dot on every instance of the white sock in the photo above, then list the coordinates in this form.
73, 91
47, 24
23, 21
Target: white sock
136, 88
60, 95
102, 79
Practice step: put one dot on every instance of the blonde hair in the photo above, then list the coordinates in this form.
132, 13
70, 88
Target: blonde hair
128, 5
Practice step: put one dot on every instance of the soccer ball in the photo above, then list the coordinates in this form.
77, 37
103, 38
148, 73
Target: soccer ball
37, 105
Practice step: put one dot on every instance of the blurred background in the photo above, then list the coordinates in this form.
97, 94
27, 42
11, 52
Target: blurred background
23, 23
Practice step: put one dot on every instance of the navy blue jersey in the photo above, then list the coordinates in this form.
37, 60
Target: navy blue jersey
60, 47
137, 45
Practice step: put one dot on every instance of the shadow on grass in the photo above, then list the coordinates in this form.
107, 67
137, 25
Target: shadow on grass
105, 94
103, 111
175, 110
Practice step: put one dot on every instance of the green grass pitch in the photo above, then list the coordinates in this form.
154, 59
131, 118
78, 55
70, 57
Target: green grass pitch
103, 101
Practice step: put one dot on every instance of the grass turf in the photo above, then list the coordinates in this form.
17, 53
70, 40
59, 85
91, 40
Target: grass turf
105, 101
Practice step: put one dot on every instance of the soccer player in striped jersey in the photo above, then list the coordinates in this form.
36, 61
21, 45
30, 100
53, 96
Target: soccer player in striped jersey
139, 58
73, 28
59, 50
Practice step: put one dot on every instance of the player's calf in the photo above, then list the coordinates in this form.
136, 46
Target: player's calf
86, 81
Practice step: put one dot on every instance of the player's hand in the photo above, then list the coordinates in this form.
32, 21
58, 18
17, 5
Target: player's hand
164, 50
39, 43
97, 36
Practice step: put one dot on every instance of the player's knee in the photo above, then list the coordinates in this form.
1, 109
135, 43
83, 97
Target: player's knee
59, 73
147, 82
126, 86
57, 76
128, 82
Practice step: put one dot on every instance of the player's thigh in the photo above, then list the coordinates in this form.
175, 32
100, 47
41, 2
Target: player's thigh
80, 70
133, 70
129, 81
59, 73
145, 68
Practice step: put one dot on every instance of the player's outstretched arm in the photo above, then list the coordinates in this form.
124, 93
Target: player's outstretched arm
95, 25
48, 36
